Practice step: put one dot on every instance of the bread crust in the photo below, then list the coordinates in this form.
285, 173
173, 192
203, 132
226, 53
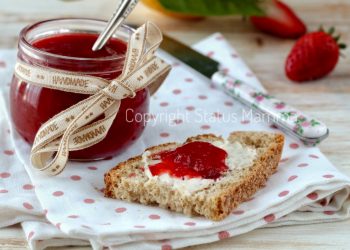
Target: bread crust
127, 181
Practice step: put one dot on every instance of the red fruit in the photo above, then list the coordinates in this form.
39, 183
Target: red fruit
279, 20
313, 56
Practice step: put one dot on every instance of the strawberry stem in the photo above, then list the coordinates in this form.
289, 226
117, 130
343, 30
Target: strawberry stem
331, 30
336, 38
342, 46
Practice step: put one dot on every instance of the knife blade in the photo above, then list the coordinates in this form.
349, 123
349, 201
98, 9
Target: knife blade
309, 130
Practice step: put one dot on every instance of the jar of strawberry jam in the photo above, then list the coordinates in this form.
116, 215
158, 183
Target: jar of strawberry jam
66, 44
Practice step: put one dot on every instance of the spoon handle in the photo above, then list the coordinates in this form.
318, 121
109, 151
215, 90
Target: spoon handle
121, 13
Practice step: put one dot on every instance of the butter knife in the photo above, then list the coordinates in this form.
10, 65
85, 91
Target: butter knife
309, 130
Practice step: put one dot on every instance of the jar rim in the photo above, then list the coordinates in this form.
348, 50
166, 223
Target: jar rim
24, 42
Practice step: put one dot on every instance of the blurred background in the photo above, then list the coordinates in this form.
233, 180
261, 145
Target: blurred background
256, 47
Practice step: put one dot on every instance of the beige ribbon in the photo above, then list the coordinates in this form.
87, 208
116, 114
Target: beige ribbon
72, 129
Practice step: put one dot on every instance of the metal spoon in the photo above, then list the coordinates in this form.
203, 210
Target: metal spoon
121, 13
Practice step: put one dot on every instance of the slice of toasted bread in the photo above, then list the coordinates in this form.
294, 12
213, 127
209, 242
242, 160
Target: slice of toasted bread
128, 180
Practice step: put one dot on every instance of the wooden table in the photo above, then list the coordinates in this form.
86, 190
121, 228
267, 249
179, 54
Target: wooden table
327, 99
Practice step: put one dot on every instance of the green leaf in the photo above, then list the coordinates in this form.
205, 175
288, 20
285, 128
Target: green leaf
214, 7
285, 115
301, 131
301, 119
342, 46
314, 123
331, 30
336, 38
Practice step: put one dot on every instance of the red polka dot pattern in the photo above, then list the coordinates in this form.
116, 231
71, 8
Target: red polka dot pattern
166, 247
28, 187
225, 70
154, 217
328, 176
164, 135
177, 121
210, 53
302, 165
228, 103
292, 178
5, 175
269, 218
27, 205
89, 201
57, 193
273, 126
176, 91
312, 196
190, 223
73, 216
120, 210
314, 156
294, 146
30, 235
296, 168
323, 202
217, 115
163, 104
9, 152
238, 212
283, 193
139, 226
223, 235
75, 178
205, 127
212, 86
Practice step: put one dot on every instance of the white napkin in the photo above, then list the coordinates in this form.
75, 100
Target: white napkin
70, 209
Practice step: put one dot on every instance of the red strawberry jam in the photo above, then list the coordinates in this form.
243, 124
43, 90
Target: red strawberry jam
194, 159
79, 45
33, 105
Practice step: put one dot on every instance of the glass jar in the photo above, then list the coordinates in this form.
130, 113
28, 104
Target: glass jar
66, 44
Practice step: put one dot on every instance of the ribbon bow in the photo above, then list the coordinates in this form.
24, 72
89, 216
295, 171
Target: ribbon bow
64, 132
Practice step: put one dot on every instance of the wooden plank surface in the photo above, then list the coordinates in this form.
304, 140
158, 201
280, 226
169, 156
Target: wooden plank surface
327, 99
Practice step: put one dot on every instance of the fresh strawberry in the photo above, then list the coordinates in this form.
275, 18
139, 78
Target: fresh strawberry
313, 56
279, 20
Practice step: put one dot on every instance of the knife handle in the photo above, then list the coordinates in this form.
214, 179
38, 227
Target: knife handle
309, 130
